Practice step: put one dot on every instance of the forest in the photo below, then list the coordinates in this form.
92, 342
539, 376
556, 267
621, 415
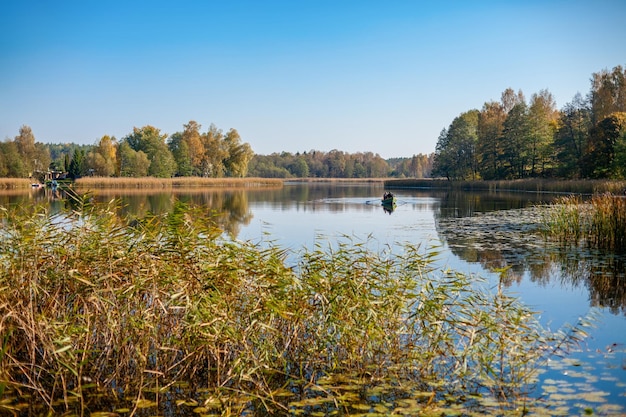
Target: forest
514, 139
506, 139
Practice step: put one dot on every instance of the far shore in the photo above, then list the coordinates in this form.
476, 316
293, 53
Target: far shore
526, 185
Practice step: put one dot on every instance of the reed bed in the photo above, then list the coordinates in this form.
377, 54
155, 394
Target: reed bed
99, 312
11, 183
599, 222
527, 185
178, 182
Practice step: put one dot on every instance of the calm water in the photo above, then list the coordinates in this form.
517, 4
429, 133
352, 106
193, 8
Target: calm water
474, 232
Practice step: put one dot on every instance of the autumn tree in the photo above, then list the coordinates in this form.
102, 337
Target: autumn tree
215, 153
608, 93
102, 159
35, 156
238, 155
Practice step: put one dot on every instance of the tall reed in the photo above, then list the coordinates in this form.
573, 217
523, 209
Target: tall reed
92, 304
599, 223
178, 182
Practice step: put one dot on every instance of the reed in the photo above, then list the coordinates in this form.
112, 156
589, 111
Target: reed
96, 306
11, 183
168, 183
599, 222
527, 185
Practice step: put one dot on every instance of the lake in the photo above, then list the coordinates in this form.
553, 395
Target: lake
480, 233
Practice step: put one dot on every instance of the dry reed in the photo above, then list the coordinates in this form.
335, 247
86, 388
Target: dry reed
178, 182
11, 183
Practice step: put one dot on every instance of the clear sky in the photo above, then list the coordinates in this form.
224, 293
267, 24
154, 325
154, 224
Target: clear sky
384, 76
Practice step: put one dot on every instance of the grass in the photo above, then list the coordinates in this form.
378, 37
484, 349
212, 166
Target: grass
530, 185
103, 312
599, 222
178, 182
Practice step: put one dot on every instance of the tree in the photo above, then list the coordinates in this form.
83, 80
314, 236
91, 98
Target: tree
77, 164
455, 154
238, 155
571, 137
25, 143
215, 152
542, 123
516, 149
102, 159
151, 142
180, 151
600, 154
132, 163
11, 163
490, 148
608, 93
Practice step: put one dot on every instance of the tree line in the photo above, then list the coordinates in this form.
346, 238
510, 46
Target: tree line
148, 152
144, 152
513, 138
338, 164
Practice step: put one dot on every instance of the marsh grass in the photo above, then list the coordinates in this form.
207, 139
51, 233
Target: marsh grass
96, 308
178, 182
11, 183
527, 185
599, 222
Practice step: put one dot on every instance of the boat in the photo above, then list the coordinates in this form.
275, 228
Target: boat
388, 199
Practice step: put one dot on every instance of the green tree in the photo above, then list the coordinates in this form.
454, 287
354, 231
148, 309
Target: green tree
11, 164
455, 154
516, 144
490, 137
181, 153
571, 137
600, 154
132, 163
77, 164
151, 142
542, 122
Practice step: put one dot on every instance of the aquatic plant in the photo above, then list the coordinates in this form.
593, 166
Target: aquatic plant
599, 222
99, 312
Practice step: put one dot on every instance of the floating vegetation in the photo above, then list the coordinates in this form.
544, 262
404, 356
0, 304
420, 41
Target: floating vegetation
598, 223
115, 316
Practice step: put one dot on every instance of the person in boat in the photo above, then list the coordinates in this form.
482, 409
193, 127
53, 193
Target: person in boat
387, 195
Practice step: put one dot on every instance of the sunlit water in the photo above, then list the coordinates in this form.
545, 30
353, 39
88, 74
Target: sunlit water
473, 233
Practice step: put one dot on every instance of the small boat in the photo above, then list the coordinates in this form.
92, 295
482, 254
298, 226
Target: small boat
388, 199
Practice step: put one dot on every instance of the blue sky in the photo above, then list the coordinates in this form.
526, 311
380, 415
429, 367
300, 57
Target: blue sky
380, 76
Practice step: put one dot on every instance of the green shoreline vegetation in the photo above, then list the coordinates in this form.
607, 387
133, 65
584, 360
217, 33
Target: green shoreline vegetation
104, 314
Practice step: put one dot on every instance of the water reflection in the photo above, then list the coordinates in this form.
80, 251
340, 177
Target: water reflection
504, 234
